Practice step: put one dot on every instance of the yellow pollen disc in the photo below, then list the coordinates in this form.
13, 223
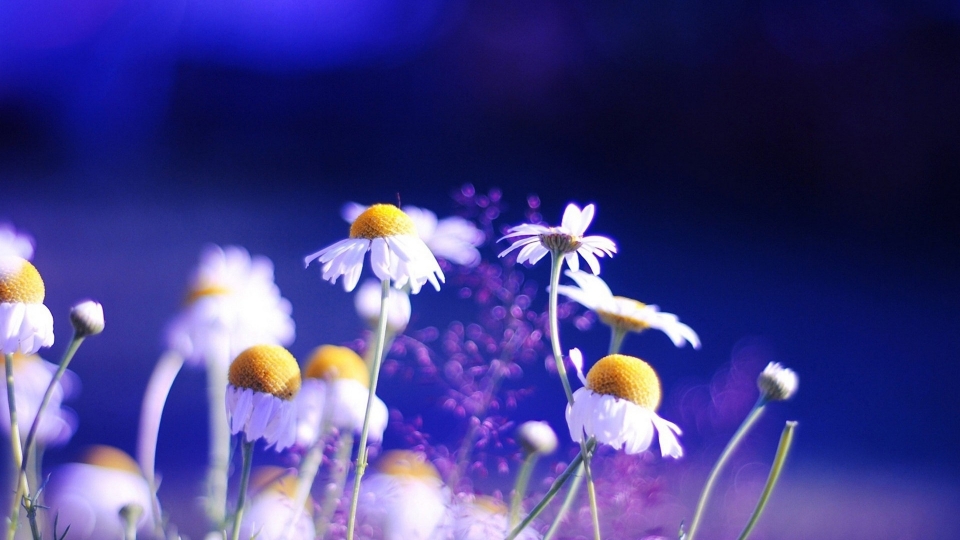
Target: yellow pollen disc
20, 283
381, 220
626, 377
408, 464
270, 369
494, 506
623, 322
19, 358
332, 362
274, 479
204, 291
110, 458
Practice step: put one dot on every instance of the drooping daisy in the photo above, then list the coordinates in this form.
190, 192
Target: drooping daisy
25, 323
396, 251
618, 404
367, 303
33, 375
405, 497
270, 513
480, 518
87, 496
567, 241
335, 390
232, 304
14, 243
264, 379
625, 315
454, 238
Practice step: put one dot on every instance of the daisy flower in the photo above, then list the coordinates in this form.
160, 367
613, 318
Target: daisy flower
25, 323
232, 304
87, 496
534, 240
454, 238
777, 383
14, 243
263, 381
272, 508
405, 497
367, 303
625, 314
485, 517
618, 404
33, 375
335, 390
396, 251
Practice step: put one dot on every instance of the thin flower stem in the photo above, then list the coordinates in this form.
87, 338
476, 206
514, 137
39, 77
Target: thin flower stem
523, 479
331, 498
591, 490
557, 260
616, 339
131, 515
17, 450
786, 440
745, 427
374, 377
219, 457
247, 450
565, 507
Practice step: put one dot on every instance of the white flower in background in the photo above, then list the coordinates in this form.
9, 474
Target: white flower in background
33, 375
14, 243
777, 383
269, 513
618, 404
263, 381
396, 251
567, 240
367, 302
405, 497
454, 238
88, 496
336, 386
232, 304
625, 314
537, 438
485, 517
25, 323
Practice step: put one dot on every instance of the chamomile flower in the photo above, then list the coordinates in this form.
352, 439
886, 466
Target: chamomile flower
336, 386
272, 508
405, 497
625, 314
618, 404
484, 517
777, 383
263, 381
33, 375
87, 496
367, 303
14, 243
25, 323
567, 241
396, 251
232, 304
454, 238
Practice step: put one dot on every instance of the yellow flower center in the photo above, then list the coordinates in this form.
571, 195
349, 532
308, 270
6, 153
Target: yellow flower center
203, 291
494, 506
560, 242
332, 362
18, 359
381, 220
20, 283
407, 464
623, 322
110, 458
270, 369
626, 377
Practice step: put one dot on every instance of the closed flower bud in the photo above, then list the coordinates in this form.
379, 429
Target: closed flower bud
537, 438
87, 318
777, 383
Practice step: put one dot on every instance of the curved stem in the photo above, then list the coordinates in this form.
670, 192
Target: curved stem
745, 427
16, 450
565, 507
331, 498
616, 339
374, 377
247, 449
557, 260
786, 439
523, 479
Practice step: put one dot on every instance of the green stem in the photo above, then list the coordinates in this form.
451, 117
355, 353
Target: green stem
17, 450
745, 427
247, 450
374, 377
219, 456
130, 514
591, 490
565, 507
786, 439
557, 260
331, 497
523, 479
616, 339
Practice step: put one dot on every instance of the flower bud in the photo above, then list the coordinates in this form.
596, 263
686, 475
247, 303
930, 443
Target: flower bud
777, 383
87, 318
537, 438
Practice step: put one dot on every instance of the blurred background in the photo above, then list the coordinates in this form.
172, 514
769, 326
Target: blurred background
777, 172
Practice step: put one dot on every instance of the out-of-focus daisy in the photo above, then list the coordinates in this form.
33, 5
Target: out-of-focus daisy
270, 513
335, 390
33, 375
567, 241
87, 496
405, 497
777, 383
367, 302
263, 382
537, 437
485, 517
618, 404
625, 315
14, 243
231, 305
25, 323
454, 238
396, 251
